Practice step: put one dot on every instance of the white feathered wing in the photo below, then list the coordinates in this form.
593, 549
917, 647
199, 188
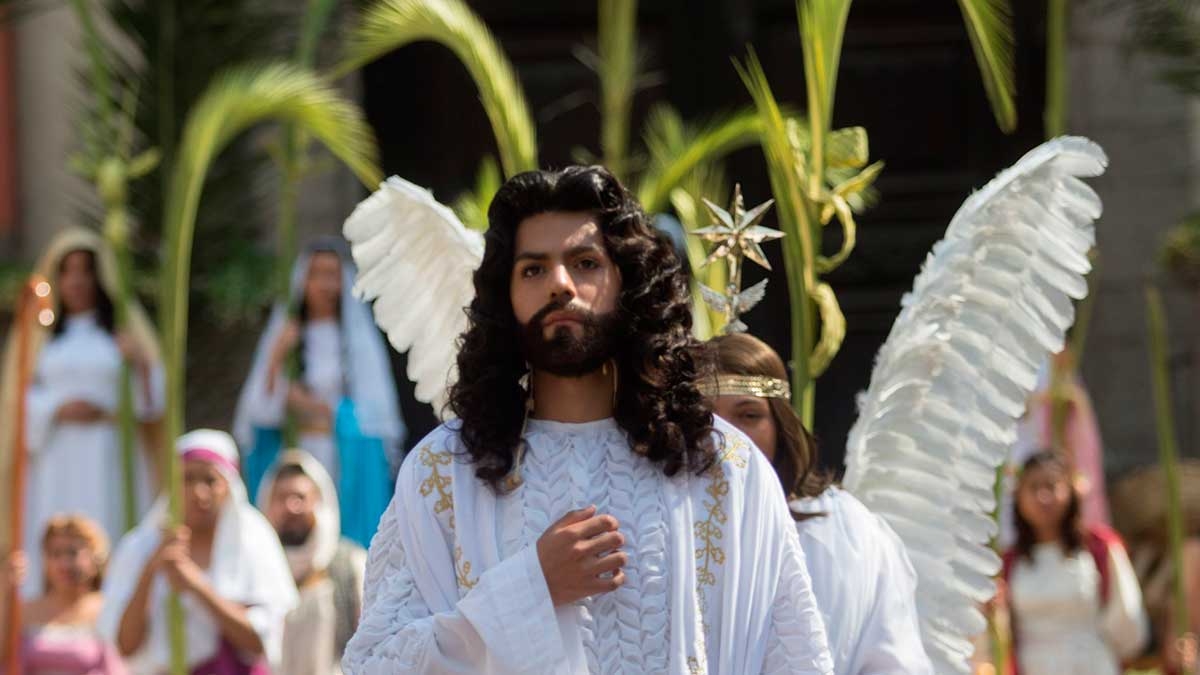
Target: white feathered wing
991, 302
415, 261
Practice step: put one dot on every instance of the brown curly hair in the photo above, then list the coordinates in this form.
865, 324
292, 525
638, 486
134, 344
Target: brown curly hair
659, 362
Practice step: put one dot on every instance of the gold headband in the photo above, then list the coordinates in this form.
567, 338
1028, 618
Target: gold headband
747, 385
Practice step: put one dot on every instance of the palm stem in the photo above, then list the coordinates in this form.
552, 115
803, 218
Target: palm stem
617, 48
1167, 449
1056, 68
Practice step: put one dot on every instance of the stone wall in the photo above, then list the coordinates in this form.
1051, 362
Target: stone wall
1152, 136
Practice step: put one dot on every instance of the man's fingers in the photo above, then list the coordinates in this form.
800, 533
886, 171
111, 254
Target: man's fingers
603, 543
595, 526
575, 516
609, 563
608, 584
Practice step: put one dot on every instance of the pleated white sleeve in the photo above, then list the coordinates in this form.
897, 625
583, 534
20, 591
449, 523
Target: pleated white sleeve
505, 623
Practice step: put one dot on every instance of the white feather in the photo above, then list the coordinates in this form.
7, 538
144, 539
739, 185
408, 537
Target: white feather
993, 299
415, 260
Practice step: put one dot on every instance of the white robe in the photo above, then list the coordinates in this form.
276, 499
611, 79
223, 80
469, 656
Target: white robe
1061, 627
716, 581
865, 587
324, 378
247, 566
76, 468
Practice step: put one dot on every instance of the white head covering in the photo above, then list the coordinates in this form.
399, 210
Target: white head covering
67, 241
322, 544
369, 374
247, 567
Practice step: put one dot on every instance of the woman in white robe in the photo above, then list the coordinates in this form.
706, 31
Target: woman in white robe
225, 562
1076, 606
338, 391
72, 432
861, 575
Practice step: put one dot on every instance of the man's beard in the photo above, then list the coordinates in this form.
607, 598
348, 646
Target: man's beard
564, 354
294, 534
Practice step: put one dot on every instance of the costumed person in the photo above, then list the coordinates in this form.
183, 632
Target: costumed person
1080, 440
585, 512
300, 502
59, 633
225, 562
1075, 603
322, 366
72, 432
863, 580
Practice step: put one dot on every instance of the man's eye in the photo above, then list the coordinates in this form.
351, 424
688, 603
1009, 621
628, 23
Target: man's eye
589, 264
531, 271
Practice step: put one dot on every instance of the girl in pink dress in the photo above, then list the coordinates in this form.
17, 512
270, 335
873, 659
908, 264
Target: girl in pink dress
59, 632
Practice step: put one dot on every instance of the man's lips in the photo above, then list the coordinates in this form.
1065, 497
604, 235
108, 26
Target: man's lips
555, 318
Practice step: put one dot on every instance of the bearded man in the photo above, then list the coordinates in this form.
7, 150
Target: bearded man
585, 512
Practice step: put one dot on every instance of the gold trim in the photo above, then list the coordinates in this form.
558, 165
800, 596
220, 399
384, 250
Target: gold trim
437, 481
747, 385
462, 570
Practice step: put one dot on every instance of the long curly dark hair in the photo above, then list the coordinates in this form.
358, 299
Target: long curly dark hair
659, 362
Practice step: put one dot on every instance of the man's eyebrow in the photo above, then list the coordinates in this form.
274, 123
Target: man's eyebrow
582, 249
570, 253
531, 255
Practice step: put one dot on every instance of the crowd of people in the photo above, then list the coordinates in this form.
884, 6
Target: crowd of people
277, 584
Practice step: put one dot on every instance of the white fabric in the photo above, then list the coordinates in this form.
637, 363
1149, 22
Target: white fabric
865, 587
310, 629
716, 581
73, 467
357, 357
247, 567
328, 529
1062, 629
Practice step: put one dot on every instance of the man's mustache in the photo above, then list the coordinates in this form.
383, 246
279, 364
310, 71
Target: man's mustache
567, 306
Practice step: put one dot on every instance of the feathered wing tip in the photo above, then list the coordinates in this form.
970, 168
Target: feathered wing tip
993, 299
415, 261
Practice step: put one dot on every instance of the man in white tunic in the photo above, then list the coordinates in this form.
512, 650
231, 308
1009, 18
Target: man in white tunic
584, 513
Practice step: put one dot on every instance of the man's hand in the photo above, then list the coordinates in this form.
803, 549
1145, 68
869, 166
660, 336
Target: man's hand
578, 552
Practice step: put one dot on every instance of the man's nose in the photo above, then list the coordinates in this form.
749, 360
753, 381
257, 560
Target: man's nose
562, 286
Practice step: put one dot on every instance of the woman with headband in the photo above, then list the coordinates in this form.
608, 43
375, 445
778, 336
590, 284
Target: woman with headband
861, 575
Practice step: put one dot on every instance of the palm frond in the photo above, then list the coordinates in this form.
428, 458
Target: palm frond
822, 28
472, 206
989, 25
391, 24
796, 221
235, 101
677, 148
618, 65
312, 25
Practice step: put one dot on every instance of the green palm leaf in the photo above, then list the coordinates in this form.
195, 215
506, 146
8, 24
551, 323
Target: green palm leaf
989, 24
391, 24
799, 222
617, 68
234, 102
677, 148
